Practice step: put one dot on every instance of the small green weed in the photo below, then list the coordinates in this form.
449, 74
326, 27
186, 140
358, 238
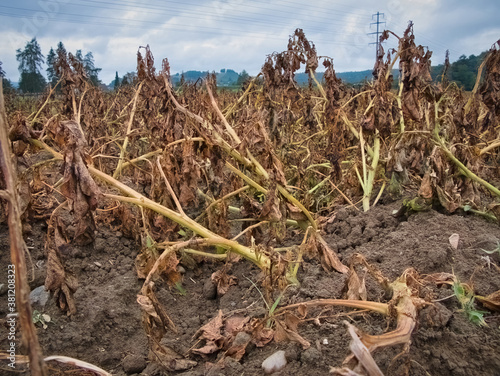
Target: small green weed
466, 298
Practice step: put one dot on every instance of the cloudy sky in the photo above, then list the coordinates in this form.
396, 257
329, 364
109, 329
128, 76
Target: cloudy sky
238, 34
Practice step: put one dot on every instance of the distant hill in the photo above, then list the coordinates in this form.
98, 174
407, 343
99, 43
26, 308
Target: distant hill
463, 72
348, 77
226, 77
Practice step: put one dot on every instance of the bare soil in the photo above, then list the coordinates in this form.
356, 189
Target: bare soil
107, 329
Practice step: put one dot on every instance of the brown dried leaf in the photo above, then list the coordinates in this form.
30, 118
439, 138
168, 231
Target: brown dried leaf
127, 220
168, 268
356, 288
223, 281
210, 347
239, 345
492, 301
302, 310
287, 331
235, 324
329, 258
78, 186
295, 213
144, 263
169, 358
271, 209
425, 189
261, 335
449, 203
58, 280
211, 331
21, 131
147, 306
440, 278
155, 316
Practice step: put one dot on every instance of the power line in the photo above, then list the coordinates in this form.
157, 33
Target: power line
210, 10
157, 11
160, 11
141, 24
377, 40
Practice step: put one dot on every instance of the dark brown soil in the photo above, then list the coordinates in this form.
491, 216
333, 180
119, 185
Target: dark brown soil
107, 330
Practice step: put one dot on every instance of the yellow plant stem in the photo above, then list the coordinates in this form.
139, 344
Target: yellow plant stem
46, 101
229, 111
159, 151
129, 128
489, 147
368, 176
247, 179
220, 256
468, 173
228, 127
381, 308
261, 260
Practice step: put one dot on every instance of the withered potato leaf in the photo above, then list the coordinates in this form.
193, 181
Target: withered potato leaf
492, 301
78, 186
58, 280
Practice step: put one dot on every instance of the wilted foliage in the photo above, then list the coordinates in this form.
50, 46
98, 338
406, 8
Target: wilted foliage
213, 171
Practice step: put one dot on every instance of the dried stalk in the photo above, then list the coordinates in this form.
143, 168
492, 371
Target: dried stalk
18, 250
169, 187
368, 176
229, 111
261, 260
159, 151
229, 129
46, 101
129, 127
454, 159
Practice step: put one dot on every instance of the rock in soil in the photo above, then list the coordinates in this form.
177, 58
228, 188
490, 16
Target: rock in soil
209, 290
274, 362
133, 364
39, 297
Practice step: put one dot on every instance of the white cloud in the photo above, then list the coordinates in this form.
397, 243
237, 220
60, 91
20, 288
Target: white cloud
238, 34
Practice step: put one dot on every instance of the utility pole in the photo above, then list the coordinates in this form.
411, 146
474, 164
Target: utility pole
377, 43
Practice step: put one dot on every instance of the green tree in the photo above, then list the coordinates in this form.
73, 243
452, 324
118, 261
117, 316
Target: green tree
242, 78
61, 50
7, 85
30, 64
90, 69
116, 82
129, 79
51, 70
79, 56
463, 71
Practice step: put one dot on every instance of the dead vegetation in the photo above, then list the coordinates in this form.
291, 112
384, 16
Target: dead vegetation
170, 167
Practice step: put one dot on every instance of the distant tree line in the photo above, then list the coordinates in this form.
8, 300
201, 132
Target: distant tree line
31, 61
463, 71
